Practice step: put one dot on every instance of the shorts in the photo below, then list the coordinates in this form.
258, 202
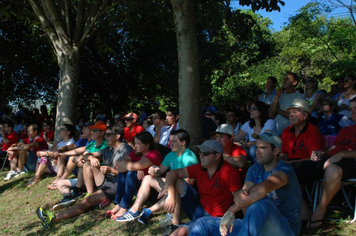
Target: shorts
348, 167
31, 161
109, 187
190, 200
49, 162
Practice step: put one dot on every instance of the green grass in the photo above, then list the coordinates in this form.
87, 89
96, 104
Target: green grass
19, 203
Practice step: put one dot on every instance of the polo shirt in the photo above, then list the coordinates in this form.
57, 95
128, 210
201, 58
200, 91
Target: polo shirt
42, 144
12, 137
91, 147
216, 193
129, 136
301, 147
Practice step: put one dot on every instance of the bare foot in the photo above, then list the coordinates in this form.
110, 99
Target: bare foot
112, 212
121, 212
33, 182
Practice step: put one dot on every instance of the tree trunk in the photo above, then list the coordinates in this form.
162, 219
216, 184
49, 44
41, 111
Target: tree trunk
67, 88
189, 77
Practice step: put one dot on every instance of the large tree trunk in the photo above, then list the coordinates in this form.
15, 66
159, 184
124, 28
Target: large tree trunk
67, 88
189, 77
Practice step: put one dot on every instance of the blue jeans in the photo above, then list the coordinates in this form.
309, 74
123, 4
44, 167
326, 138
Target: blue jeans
261, 218
127, 186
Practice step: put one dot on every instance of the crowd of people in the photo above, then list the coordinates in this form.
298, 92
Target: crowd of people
248, 178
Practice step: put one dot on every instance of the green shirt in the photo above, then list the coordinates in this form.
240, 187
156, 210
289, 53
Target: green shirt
91, 147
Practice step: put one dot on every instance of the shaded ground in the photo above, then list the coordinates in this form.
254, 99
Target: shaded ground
19, 203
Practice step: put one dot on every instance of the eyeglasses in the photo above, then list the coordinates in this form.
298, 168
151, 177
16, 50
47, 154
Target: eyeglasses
254, 108
96, 130
62, 129
207, 153
108, 134
208, 114
325, 103
44, 125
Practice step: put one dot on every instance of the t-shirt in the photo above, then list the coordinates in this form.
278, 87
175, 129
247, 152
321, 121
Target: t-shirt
301, 147
269, 125
268, 100
285, 100
345, 101
50, 135
287, 198
42, 144
345, 140
153, 155
91, 147
237, 150
62, 143
12, 138
111, 156
18, 127
164, 139
172, 161
333, 124
152, 131
216, 193
83, 142
129, 136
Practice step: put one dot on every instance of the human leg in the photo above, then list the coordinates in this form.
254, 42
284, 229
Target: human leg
69, 168
126, 187
209, 225
92, 175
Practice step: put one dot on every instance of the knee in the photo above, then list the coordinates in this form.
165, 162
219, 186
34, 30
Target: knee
147, 179
333, 173
260, 205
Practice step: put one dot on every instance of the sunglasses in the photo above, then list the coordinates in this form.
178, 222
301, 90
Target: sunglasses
96, 130
254, 108
207, 153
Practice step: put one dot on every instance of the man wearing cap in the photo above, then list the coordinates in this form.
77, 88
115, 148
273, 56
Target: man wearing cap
300, 140
268, 95
339, 167
283, 98
216, 181
270, 198
331, 122
103, 176
131, 128
233, 153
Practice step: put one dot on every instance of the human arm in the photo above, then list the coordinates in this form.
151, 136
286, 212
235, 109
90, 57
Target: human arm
108, 170
348, 154
272, 111
124, 166
237, 161
157, 135
315, 104
68, 148
240, 135
73, 152
94, 159
157, 171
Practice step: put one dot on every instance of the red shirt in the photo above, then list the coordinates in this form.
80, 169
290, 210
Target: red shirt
50, 134
12, 138
237, 150
42, 144
301, 147
345, 140
216, 193
154, 156
129, 136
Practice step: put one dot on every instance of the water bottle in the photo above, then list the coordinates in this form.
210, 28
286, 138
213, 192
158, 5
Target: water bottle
166, 220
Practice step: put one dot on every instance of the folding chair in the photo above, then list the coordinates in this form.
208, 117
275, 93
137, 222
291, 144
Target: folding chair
345, 183
2, 156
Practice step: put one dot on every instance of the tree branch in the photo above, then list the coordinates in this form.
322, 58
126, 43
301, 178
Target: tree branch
67, 19
79, 25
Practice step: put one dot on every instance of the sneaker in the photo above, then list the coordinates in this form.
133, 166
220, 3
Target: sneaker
20, 172
145, 216
104, 203
128, 216
75, 194
66, 201
45, 216
170, 229
10, 174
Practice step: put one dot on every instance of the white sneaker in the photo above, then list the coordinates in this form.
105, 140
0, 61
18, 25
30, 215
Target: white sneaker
19, 172
10, 174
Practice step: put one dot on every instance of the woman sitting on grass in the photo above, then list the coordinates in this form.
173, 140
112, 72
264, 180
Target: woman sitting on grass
132, 169
47, 160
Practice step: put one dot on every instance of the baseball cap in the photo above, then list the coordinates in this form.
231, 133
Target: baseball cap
225, 129
99, 125
210, 145
269, 137
300, 104
131, 116
88, 124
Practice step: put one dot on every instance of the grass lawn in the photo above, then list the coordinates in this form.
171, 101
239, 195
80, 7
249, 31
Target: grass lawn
18, 215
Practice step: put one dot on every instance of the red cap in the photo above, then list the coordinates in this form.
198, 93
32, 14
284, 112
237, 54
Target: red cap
99, 125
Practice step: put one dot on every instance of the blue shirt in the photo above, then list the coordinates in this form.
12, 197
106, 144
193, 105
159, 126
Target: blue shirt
82, 142
288, 198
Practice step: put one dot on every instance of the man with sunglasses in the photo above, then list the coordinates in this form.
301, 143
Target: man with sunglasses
131, 128
104, 176
216, 181
270, 198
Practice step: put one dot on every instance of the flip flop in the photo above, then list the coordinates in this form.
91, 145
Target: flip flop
314, 222
52, 186
31, 183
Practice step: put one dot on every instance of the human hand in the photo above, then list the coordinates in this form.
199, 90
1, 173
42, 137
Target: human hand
316, 155
170, 204
242, 199
162, 193
105, 169
94, 162
140, 175
227, 222
153, 170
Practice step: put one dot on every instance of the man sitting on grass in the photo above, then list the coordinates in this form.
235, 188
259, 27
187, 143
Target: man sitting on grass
104, 177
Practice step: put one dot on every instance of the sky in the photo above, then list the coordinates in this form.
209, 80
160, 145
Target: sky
290, 8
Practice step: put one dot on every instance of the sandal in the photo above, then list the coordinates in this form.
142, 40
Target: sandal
52, 186
314, 222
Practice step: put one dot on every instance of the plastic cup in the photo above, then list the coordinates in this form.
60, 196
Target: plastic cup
318, 153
